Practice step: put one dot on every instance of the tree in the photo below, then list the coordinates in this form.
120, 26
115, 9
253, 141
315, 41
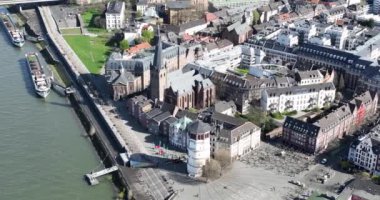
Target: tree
345, 165
147, 36
368, 23
256, 17
212, 169
223, 157
376, 179
124, 44
138, 14
338, 96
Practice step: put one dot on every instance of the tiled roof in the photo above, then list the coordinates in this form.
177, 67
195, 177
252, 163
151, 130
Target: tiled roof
115, 7
139, 47
161, 117
300, 89
227, 119
301, 126
198, 127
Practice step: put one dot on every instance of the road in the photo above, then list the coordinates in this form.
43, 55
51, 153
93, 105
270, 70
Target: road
12, 2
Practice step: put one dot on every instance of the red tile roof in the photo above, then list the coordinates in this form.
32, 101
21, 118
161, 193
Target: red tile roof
139, 47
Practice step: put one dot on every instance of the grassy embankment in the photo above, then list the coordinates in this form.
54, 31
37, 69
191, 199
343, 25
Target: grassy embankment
92, 50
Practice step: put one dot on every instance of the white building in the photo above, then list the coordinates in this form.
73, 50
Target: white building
178, 132
234, 135
339, 35
365, 151
115, 15
288, 38
324, 40
198, 148
305, 28
221, 56
309, 77
297, 97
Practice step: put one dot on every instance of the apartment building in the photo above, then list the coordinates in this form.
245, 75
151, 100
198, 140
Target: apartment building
115, 15
302, 97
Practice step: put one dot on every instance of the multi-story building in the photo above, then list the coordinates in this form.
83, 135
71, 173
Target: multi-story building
115, 15
303, 97
178, 132
314, 135
365, 151
189, 90
233, 135
288, 38
376, 6
198, 148
126, 76
217, 4
309, 77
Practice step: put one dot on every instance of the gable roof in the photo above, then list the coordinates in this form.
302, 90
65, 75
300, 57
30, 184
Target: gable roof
301, 126
198, 127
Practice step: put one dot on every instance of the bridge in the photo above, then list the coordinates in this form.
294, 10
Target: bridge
13, 2
91, 177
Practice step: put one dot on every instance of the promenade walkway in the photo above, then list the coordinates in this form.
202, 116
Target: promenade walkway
150, 183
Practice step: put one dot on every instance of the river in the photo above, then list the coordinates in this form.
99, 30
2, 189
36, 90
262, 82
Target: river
43, 151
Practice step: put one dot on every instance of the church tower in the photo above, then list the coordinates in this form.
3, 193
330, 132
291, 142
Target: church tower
158, 76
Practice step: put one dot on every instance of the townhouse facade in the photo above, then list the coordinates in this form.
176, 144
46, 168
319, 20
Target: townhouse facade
303, 97
364, 152
115, 15
314, 135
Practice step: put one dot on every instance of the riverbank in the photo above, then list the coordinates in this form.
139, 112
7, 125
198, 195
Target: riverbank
43, 152
106, 136
62, 77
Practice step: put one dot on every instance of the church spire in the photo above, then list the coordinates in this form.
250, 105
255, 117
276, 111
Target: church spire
157, 61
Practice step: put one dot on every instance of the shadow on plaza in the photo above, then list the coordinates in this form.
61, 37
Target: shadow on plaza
176, 169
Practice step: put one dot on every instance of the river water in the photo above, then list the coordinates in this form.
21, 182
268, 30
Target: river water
43, 153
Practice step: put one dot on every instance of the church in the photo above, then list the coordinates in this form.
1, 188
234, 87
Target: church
185, 89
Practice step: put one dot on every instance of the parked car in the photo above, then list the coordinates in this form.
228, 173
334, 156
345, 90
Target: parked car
324, 161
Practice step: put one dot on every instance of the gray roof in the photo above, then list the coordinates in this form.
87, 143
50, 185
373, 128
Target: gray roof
153, 113
222, 106
161, 117
178, 4
300, 89
157, 60
224, 43
115, 7
183, 82
301, 126
312, 74
186, 113
231, 136
198, 127
332, 119
171, 120
183, 27
123, 77
227, 119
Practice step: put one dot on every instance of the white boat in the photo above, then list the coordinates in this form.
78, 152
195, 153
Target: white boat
14, 33
41, 82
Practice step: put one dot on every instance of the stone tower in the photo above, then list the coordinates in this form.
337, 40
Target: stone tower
158, 76
198, 147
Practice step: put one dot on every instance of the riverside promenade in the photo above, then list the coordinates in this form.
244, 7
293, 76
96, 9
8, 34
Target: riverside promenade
144, 183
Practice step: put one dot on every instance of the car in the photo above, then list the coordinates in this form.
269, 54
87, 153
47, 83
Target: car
324, 161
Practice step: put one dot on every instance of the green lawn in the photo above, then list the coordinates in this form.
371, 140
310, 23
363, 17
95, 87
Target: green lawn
88, 20
242, 71
92, 51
